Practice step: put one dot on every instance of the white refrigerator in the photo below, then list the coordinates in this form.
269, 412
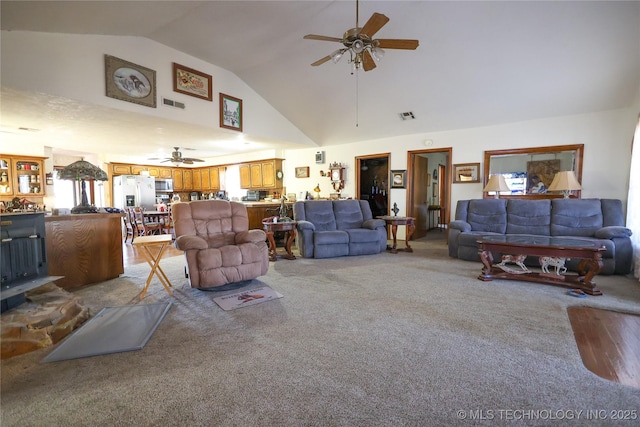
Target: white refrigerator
134, 190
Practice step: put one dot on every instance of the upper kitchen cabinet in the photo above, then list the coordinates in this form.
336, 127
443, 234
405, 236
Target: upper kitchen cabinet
119, 169
214, 178
21, 176
152, 170
245, 176
178, 183
6, 176
196, 175
261, 175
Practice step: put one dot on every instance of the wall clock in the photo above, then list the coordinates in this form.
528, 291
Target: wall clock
336, 173
279, 174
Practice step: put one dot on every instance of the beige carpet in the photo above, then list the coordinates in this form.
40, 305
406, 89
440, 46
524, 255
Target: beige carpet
386, 340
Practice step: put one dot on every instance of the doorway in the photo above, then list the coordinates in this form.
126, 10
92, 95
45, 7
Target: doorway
372, 182
429, 189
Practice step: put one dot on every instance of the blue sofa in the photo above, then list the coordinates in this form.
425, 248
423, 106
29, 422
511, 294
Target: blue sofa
599, 220
333, 228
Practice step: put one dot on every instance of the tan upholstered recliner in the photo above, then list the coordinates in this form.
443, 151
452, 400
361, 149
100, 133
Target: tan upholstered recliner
218, 245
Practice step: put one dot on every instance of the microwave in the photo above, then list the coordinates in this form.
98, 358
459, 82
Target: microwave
165, 185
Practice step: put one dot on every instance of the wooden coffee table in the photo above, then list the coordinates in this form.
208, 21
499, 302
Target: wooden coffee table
552, 253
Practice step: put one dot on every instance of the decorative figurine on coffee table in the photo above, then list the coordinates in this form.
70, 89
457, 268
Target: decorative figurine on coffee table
395, 209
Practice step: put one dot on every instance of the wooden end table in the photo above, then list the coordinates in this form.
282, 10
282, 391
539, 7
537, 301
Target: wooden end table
146, 242
288, 227
395, 221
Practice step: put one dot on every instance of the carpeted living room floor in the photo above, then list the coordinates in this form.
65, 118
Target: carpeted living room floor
411, 339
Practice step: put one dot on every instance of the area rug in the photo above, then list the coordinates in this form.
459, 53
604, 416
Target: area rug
112, 330
247, 298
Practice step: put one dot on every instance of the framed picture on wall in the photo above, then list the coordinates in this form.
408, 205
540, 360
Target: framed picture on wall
130, 82
191, 82
302, 172
230, 112
466, 173
398, 179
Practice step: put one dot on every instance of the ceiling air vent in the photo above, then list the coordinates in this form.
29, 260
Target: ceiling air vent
407, 116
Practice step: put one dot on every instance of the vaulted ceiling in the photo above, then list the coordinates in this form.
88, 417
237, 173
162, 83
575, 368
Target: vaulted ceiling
478, 64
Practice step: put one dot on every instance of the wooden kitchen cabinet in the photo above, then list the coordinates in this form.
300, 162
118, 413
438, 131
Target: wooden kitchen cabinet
138, 169
118, 169
21, 176
178, 183
187, 179
165, 172
245, 176
256, 175
6, 176
196, 175
206, 180
260, 175
268, 169
214, 178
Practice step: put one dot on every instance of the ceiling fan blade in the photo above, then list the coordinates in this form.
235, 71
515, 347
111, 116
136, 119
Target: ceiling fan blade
368, 63
190, 159
323, 38
187, 162
374, 24
321, 61
397, 44
165, 161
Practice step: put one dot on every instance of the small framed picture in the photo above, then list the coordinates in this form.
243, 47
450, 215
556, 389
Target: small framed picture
302, 172
191, 82
398, 179
230, 112
130, 82
466, 173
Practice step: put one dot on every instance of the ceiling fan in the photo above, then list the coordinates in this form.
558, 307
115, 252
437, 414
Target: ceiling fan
361, 45
177, 159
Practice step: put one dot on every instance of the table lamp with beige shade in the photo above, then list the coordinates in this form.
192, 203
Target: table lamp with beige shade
496, 184
566, 182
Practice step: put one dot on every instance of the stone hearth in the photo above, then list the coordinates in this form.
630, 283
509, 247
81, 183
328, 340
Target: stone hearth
49, 315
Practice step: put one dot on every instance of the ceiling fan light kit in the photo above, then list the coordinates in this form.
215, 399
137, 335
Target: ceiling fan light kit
359, 42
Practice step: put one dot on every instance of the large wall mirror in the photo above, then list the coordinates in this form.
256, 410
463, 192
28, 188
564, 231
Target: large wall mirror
529, 171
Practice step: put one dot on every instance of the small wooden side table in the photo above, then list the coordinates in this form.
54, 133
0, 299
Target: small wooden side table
145, 243
290, 228
395, 221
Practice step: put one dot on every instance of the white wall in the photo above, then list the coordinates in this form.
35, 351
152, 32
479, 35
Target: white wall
72, 66
606, 136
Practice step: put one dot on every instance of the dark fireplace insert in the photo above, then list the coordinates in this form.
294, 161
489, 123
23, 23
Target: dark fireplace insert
23, 257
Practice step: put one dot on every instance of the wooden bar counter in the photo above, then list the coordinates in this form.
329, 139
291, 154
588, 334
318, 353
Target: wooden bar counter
257, 211
84, 248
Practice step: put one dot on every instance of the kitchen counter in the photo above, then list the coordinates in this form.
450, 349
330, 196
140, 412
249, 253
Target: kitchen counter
262, 203
84, 248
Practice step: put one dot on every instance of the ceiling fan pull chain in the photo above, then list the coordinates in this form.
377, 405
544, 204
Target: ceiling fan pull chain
357, 96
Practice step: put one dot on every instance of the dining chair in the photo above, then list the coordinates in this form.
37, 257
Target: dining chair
144, 227
129, 231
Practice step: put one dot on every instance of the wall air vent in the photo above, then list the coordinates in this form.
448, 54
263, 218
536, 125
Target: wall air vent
407, 115
171, 103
